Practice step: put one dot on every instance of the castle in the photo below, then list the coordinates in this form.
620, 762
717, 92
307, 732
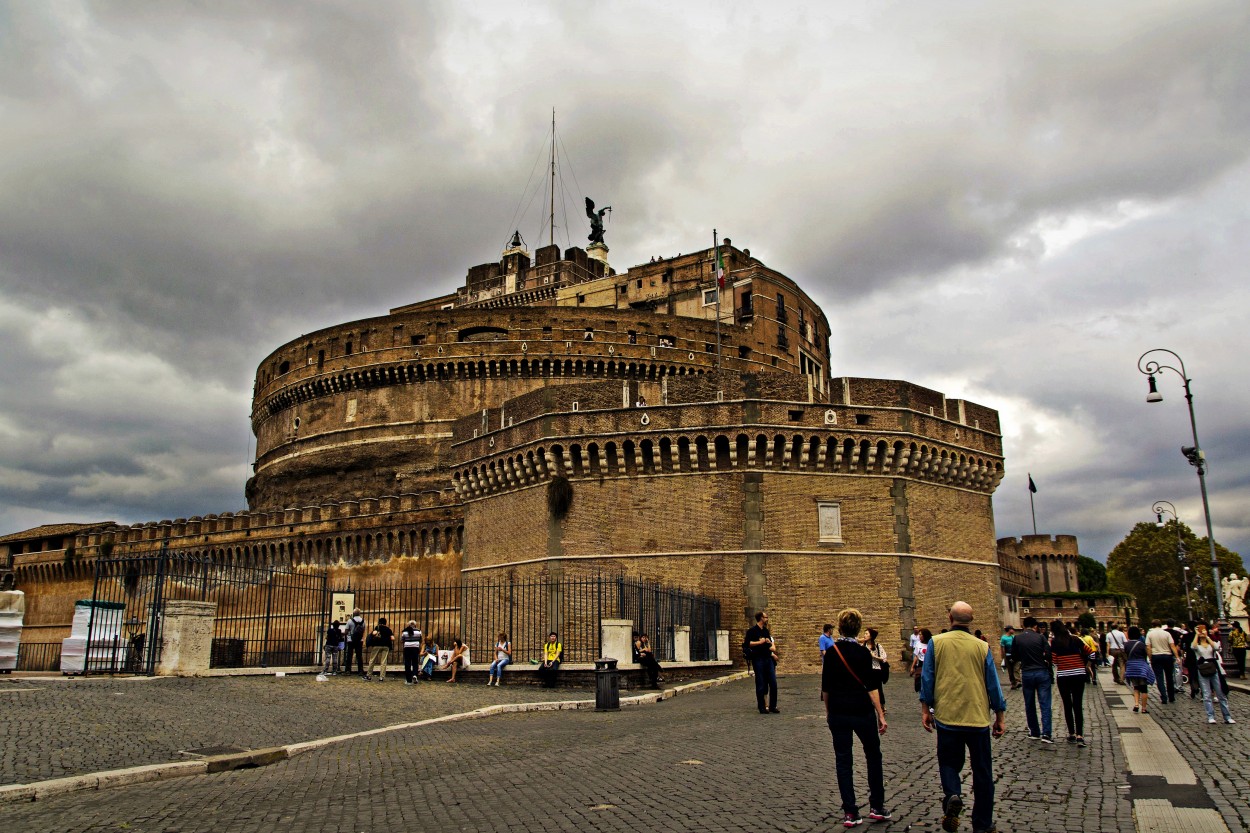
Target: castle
554, 417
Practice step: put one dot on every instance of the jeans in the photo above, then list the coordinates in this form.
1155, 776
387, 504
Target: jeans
1072, 695
765, 682
1211, 688
1164, 666
1117, 664
496, 668
950, 752
842, 727
1037, 694
332, 660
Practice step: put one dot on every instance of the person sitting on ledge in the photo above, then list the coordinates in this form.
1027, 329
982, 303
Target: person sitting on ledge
430, 660
459, 656
553, 655
645, 656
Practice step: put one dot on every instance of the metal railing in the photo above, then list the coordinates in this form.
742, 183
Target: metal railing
269, 617
38, 656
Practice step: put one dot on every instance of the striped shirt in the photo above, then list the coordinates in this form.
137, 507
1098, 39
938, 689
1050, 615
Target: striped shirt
1070, 660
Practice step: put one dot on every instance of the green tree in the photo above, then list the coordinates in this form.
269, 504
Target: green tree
1090, 574
1147, 564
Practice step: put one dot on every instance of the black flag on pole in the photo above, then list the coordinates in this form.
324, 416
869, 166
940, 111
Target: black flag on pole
1032, 485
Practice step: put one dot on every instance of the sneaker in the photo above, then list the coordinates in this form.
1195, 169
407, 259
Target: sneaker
951, 809
852, 820
880, 814
774, 711
1080, 742
1071, 738
1230, 721
1210, 719
1047, 739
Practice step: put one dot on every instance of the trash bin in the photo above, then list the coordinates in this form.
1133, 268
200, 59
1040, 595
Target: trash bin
607, 685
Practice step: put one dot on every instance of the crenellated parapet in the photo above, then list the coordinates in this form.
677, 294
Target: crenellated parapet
569, 433
1049, 563
334, 533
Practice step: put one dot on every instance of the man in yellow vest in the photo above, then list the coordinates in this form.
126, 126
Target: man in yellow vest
958, 689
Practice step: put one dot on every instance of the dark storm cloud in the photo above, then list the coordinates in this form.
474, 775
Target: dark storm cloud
1002, 202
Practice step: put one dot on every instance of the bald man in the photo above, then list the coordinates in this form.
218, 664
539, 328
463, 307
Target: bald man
958, 689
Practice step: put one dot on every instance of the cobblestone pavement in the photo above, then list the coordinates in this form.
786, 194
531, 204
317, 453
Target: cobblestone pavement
700, 762
54, 728
1218, 754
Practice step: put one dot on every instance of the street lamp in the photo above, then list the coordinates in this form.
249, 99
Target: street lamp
1159, 508
1192, 453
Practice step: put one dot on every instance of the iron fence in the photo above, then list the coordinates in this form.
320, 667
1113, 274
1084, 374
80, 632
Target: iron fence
38, 656
277, 617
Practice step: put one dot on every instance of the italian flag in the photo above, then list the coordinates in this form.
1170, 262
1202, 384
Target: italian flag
720, 269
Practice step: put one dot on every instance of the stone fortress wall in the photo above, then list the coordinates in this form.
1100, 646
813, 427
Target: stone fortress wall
437, 441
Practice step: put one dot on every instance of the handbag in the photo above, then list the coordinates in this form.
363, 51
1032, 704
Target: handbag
1208, 667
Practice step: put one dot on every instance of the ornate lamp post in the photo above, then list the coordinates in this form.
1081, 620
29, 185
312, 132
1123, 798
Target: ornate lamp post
1159, 508
1193, 453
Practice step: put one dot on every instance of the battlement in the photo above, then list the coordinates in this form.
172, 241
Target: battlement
1040, 546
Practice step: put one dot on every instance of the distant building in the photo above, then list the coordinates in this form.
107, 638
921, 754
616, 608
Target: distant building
1038, 576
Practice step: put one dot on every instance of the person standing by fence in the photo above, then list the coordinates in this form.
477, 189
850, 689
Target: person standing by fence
410, 641
333, 647
379, 642
355, 643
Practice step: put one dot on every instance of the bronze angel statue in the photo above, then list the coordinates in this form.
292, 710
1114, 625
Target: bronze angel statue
596, 221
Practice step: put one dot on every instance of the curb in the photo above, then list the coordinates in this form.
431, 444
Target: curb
40, 790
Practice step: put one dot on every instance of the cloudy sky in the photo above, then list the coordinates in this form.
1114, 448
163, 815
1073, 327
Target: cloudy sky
1006, 202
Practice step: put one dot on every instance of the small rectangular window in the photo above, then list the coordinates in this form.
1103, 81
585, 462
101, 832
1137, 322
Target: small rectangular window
710, 297
640, 283
830, 515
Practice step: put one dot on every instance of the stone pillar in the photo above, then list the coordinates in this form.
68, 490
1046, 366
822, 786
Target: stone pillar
681, 644
722, 645
618, 641
187, 638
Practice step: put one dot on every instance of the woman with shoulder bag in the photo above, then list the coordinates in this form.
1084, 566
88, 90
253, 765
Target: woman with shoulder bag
1210, 672
917, 660
1137, 671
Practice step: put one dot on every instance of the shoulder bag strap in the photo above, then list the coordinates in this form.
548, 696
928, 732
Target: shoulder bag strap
848, 667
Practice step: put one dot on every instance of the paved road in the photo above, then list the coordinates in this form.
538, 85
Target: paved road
54, 728
698, 762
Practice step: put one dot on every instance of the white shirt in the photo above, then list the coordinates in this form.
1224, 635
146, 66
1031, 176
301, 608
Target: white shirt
1115, 640
1159, 641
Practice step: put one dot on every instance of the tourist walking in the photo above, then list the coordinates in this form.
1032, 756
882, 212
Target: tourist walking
503, 656
380, 642
918, 654
333, 648
880, 663
1115, 647
825, 641
1163, 652
1237, 641
1032, 651
356, 642
1138, 673
410, 643
1210, 673
764, 661
1071, 657
1004, 644
851, 694
958, 690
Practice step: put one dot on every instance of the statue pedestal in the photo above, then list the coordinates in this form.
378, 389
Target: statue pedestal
598, 251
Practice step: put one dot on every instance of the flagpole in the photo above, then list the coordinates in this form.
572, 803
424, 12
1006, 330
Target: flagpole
1032, 511
716, 268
